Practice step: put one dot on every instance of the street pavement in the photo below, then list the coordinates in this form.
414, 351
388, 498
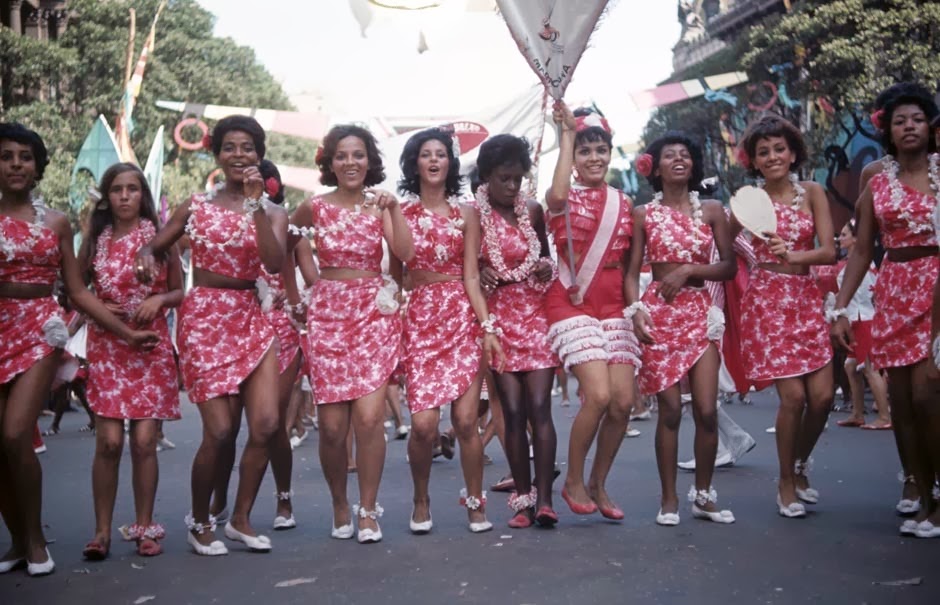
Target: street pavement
846, 551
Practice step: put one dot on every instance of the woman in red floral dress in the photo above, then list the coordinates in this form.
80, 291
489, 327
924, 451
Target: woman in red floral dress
227, 353
123, 383
899, 199
442, 358
676, 320
783, 333
592, 224
35, 248
517, 273
353, 323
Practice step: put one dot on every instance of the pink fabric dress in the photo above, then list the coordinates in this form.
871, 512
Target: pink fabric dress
441, 352
595, 329
680, 327
25, 322
354, 345
903, 294
783, 331
288, 336
124, 382
223, 334
520, 307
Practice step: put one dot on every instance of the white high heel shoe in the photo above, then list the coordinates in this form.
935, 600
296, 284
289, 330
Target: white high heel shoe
368, 535
420, 528
281, 522
667, 519
908, 528
700, 498
8, 566
215, 549
254, 543
925, 529
41, 569
792, 511
802, 468
474, 503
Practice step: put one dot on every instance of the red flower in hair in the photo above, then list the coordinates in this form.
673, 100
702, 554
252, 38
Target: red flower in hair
877, 119
319, 157
271, 186
743, 158
207, 141
644, 165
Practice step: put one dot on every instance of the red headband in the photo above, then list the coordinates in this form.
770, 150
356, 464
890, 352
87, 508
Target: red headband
590, 120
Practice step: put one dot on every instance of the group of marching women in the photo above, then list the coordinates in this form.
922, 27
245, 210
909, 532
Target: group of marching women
485, 294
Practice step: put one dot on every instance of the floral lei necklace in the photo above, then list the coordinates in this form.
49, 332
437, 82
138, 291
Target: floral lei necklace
891, 169
10, 248
455, 222
697, 241
346, 221
492, 241
799, 194
102, 260
238, 236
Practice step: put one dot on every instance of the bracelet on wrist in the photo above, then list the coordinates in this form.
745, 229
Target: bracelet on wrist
832, 315
489, 326
632, 310
253, 204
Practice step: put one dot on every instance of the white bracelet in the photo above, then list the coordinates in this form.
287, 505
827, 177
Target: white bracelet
252, 205
489, 326
630, 311
833, 315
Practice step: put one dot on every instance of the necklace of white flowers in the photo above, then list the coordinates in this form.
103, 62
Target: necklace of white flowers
238, 236
102, 259
346, 221
799, 194
10, 248
696, 203
455, 222
492, 239
891, 169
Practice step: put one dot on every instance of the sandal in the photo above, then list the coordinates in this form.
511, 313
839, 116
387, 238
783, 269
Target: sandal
96, 551
147, 538
506, 484
147, 547
851, 422
877, 427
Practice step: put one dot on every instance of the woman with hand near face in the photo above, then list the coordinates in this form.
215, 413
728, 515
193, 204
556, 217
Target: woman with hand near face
783, 333
124, 383
900, 196
227, 356
676, 321
592, 223
353, 323
442, 358
35, 248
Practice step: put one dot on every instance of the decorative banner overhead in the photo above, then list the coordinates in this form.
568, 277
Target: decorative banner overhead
686, 89
98, 152
552, 35
295, 123
153, 170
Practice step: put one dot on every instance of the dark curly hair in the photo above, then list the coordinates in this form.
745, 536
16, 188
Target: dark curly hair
410, 182
246, 124
269, 170
906, 93
675, 137
500, 150
591, 134
16, 132
773, 126
376, 171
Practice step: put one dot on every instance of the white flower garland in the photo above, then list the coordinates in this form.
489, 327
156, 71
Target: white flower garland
799, 195
697, 214
455, 222
346, 221
9, 248
891, 169
103, 249
249, 207
492, 241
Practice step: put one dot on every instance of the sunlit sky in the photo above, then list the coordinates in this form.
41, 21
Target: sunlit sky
316, 50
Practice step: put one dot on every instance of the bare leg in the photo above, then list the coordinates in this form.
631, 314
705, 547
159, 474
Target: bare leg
109, 444
282, 461
146, 472
926, 394
538, 385
613, 426
879, 390
217, 432
857, 386
667, 446
818, 405
594, 380
223, 472
703, 378
334, 428
792, 395
368, 418
464, 413
424, 434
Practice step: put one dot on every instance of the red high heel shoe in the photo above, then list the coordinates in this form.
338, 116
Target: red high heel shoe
578, 509
521, 519
614, 513
546, 517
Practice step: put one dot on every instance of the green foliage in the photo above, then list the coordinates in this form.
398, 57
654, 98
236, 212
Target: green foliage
59, 88
849, 50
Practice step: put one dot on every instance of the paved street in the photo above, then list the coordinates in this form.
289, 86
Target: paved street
836, 555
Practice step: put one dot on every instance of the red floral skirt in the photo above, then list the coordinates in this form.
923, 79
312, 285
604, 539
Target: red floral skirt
903, 297
520, 312
128, 383
23, 340
288, 338
680, 329
223, 336
783, 332
354, 347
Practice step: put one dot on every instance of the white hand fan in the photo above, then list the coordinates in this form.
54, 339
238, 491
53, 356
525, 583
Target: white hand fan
754, 210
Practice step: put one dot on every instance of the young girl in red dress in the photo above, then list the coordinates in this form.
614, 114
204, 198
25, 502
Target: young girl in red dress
442, 358
35, 248
227, 348
123, 383
900, 196
353, 323
517, 272
783, 333
592, 224
676, 321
